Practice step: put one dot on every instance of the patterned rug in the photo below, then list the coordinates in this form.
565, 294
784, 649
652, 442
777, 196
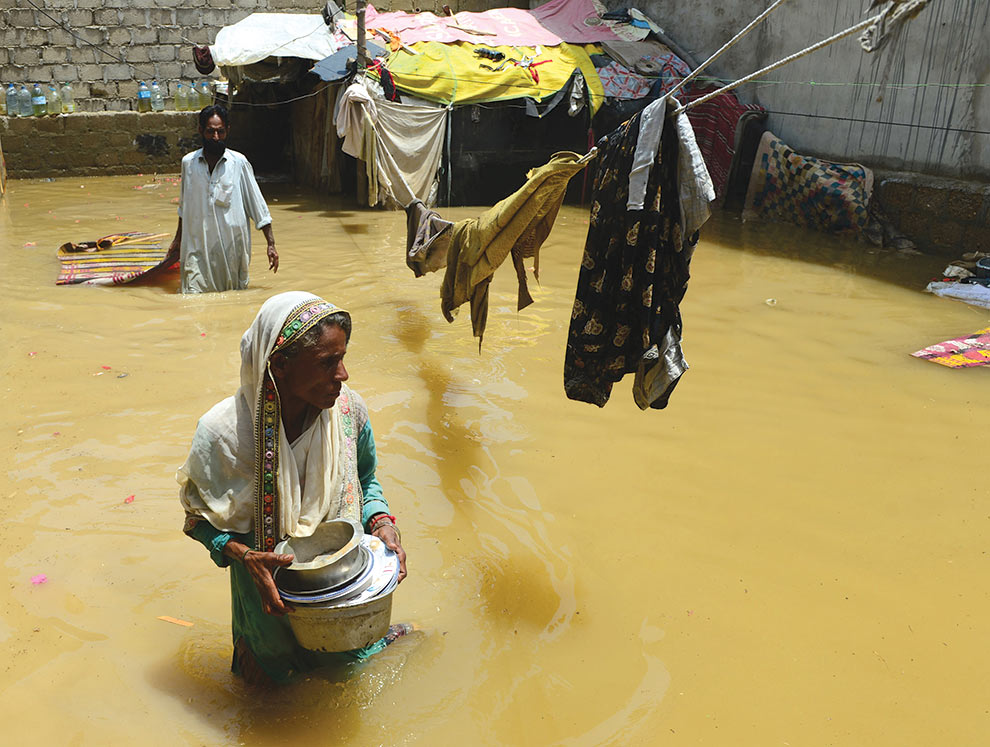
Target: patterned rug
717, 126
113, 260
790, 188
960, 352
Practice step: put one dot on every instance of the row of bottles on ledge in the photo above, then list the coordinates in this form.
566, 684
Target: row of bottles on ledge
151, 99
38, 102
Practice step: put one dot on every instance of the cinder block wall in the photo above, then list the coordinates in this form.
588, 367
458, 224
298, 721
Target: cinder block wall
153, 39
941, 216
148, 36
98, 144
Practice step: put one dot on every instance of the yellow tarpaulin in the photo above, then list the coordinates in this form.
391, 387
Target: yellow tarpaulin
452, 73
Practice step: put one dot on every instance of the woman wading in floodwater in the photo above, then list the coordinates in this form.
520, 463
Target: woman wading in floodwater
293, 448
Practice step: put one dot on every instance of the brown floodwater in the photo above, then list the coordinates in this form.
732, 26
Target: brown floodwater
793, 552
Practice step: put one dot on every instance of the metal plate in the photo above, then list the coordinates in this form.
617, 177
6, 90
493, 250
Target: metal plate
354, 586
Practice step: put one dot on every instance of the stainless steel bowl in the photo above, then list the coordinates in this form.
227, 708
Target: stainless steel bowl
328, 558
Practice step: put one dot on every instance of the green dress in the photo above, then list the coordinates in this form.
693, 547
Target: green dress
270, 637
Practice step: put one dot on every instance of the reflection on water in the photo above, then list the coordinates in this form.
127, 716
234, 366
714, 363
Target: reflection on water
792, 552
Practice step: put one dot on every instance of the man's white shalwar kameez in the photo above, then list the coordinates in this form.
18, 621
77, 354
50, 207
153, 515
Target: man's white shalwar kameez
215, 249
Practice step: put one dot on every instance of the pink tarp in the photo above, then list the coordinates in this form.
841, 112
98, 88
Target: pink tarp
579, 22
500, 27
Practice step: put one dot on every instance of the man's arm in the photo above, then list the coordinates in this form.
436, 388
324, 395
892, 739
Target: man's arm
173, 250
257, 210
272, 254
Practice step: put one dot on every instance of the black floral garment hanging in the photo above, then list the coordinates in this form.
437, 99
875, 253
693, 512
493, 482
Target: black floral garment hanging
633, 276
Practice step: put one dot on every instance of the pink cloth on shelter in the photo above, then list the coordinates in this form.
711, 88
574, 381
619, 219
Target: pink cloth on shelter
507, 26
579, 22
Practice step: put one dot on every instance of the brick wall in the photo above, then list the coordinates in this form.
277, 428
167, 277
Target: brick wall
148, 36
941, 216
98, 144
105, 136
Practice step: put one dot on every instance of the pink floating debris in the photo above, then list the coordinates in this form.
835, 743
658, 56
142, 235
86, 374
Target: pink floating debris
129, 499
105, 368
202, 334
30, 243
41, 578
57, 433
32, 354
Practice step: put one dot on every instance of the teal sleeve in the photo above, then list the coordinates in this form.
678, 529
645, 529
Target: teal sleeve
213, 539
367, 462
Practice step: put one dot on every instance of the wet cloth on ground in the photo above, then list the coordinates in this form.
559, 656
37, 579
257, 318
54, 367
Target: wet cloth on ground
112, 260
516, 226
633, 275
789, 187
215, 253
960, 352
404, 142
971, 293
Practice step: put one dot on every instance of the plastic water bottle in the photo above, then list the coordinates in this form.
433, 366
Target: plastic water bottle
13, 107
39, 104
205, 97
181, 100
24, 102
144, 97
157, 100
68, 103
52, 100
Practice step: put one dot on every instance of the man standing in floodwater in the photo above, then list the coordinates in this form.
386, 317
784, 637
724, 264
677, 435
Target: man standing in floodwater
218, 194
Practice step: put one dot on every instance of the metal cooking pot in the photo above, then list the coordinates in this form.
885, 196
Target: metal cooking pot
330, 557
341, 627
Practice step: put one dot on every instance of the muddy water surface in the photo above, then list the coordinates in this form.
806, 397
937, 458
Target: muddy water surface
794, 552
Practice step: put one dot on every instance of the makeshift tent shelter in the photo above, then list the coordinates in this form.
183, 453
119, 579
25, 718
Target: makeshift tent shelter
514, 86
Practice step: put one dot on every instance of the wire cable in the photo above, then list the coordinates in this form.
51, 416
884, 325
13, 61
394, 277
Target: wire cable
944, 128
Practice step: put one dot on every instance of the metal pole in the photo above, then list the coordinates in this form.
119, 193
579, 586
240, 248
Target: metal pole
362, 49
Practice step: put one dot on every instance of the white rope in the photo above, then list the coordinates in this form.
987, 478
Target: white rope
779, 63
731, 42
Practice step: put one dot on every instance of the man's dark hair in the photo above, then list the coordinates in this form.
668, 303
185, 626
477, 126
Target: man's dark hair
211, 110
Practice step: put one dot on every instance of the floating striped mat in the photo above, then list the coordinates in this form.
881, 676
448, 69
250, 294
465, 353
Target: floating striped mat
113, 260
960, 352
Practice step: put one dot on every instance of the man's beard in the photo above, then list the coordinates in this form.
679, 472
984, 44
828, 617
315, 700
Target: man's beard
214, 147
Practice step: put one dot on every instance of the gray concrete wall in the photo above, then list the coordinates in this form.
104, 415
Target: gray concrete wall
942, 50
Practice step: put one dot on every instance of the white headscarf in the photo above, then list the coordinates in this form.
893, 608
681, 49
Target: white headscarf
240, 460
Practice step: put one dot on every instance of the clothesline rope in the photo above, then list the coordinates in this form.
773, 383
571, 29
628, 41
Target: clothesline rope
752, 24
779, 63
